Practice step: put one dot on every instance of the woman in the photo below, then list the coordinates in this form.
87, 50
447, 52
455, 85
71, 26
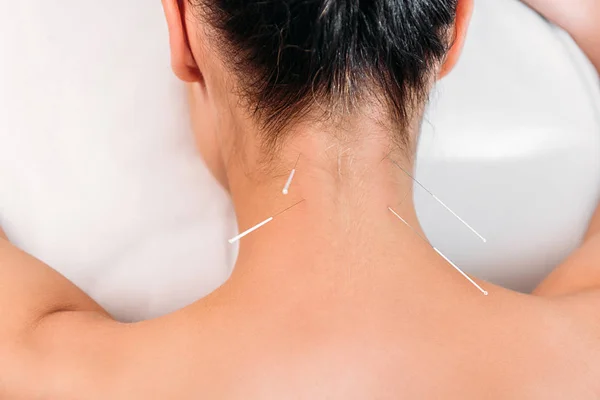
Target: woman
336, 297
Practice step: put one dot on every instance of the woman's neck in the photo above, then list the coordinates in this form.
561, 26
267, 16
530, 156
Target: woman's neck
339, 197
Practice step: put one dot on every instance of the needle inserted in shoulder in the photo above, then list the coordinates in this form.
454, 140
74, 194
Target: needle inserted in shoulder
485, 292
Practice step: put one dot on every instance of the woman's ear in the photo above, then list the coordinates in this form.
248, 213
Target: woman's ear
464, 11
182, 60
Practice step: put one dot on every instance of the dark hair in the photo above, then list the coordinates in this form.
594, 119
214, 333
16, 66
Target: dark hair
293, 54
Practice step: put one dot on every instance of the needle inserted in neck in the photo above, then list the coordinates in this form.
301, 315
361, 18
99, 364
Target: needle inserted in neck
286, 188
485, 292
249, 231
484, 240
260, 225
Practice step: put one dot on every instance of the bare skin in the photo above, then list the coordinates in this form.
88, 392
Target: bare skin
359, 308
334, 299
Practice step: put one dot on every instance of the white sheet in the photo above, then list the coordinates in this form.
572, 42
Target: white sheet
99, 177
512, 144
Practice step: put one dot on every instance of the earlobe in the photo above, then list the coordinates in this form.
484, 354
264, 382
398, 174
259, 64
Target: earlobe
464, 11
182, 60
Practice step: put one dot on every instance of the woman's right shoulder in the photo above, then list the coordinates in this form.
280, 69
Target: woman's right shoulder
572, 336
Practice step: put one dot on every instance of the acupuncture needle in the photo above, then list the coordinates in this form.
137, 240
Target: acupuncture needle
261, 224
440, 253
484, 240
286, 188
